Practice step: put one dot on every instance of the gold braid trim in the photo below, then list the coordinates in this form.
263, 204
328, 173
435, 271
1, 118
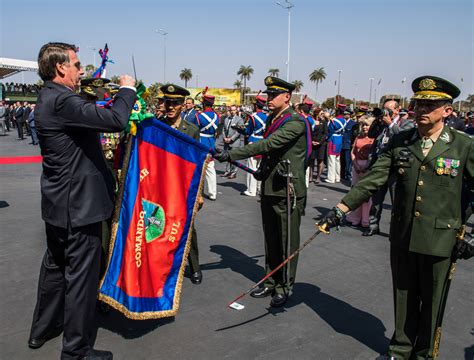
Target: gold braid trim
436, 342
432, 95
151, 314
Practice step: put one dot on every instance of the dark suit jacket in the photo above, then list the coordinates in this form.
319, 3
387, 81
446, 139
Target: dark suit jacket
76, 184
18, 114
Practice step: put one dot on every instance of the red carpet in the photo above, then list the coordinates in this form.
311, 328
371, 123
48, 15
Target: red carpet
4, 160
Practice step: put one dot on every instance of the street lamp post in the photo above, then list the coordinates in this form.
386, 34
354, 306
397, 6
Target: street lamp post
164, 33
355, 95
370, 91
288, 5
94, 51
338, 84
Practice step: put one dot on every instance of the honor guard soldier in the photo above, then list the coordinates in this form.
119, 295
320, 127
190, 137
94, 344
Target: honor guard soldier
285, 154
335, 130
254, 130
430, 163
207, 120
174, 97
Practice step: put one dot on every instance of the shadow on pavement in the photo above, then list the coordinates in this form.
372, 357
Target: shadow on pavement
236, 261
341, 316
337, 189
4, 204
129, 329
270, 311
237, 186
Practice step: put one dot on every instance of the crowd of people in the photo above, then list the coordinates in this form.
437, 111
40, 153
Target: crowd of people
20, 88
19, 116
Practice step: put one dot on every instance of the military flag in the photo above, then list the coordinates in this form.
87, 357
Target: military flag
151, 232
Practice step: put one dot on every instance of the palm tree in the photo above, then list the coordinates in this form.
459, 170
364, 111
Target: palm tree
186, 75
238, 84
298, 85
245, 72
317, 76
115, 79
274, 72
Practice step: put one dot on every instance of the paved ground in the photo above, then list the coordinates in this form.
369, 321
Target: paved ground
341, 307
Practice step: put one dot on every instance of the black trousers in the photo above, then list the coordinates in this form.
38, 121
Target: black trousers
275, 220
378, 199
19, 127
193, 257
67, 288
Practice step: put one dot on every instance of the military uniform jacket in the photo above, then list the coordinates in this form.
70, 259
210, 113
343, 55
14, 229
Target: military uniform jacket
426, 212
186, 128
76, 183
287, 142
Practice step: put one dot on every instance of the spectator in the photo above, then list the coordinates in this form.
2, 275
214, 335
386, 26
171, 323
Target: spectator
360, 163
31, 122
3, 119
19, 120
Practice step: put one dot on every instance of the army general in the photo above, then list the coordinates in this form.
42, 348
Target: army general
430, 163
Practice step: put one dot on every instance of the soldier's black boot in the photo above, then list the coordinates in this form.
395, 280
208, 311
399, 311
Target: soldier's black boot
196, 278
278, 300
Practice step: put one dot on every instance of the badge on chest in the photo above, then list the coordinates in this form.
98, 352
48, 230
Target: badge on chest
446, 166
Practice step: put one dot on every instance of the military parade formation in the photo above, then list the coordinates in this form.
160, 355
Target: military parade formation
416, 155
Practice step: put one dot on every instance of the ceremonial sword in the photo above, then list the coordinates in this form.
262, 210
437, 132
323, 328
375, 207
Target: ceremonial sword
237, 306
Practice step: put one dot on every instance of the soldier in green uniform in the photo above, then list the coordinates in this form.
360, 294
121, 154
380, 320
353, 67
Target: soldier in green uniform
430, 162
284, 143
174, 97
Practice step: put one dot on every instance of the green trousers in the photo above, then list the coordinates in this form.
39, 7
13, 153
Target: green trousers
274, 220
193, 257
418, 284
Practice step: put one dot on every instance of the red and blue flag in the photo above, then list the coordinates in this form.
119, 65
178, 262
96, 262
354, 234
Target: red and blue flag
150, 243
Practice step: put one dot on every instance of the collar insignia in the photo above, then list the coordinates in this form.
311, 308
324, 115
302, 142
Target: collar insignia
445, 137
427, 84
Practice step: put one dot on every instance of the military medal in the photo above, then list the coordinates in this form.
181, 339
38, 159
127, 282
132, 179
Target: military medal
401, 171
454, 167
440, 163
454, 172
447, 169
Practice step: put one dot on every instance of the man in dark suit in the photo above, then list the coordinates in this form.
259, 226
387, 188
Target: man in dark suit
77, 195
18, 116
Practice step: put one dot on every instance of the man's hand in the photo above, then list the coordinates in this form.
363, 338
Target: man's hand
387, 120
222, 155
127, 80
333, 218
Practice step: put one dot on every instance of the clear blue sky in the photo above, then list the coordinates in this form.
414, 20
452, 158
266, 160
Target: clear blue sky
388, 40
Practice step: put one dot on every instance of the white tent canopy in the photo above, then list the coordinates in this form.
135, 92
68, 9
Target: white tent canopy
10, 67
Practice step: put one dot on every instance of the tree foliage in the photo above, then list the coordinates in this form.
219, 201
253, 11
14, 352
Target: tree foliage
186, 75
245, 72
298, 85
